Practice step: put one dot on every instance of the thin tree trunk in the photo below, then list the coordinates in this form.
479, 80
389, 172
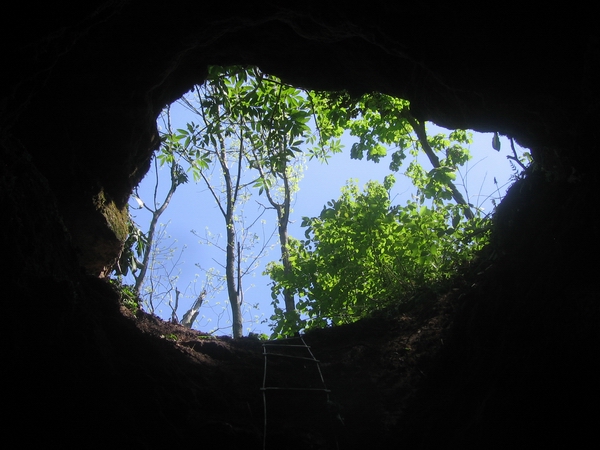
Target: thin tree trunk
232, 291
283, 216
283, 219
139, 280
232, 288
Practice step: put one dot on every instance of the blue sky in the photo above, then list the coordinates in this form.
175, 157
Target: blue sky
193, 208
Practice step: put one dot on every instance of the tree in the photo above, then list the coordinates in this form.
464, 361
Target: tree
275, 156
222, 143
167, 155
153, 263
140, 248
252, 127
362, 252
381, 121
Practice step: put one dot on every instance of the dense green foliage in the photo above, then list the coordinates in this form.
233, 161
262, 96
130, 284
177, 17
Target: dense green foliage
383, 123
362, 253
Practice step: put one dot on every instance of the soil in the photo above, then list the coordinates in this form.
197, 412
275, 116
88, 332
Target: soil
371, 368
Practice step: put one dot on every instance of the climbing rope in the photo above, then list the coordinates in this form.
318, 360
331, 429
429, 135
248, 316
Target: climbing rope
300, 356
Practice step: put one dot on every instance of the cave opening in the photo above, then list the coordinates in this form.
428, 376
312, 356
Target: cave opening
497, 361
185, 153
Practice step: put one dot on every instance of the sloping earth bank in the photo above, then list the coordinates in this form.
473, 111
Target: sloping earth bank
211, 386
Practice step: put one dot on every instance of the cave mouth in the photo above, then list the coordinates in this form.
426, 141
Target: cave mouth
520, 349
181, 125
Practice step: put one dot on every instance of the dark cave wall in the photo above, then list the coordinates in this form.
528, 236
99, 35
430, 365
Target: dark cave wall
105, 77
518, 368
84, 84
87, 83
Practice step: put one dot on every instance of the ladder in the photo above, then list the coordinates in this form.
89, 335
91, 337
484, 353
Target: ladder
305, 400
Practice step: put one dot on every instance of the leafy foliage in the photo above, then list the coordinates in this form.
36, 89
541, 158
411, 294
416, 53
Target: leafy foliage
127, 295
134, 248
381, 122
362, 253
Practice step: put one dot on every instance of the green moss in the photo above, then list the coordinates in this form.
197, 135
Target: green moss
117, 219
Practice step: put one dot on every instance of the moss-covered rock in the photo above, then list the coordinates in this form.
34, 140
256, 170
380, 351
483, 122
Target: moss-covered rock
116, 218
99, 230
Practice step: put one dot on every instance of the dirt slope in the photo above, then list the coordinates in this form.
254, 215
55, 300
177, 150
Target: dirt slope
371, 367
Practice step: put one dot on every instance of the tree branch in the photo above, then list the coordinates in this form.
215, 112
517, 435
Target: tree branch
419, 128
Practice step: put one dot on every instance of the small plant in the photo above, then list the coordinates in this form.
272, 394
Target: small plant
127, 296
131, 305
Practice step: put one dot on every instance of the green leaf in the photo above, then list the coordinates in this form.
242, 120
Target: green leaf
455, 220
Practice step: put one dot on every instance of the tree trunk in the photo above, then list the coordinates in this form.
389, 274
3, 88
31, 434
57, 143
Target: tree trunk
139, 279
190, 316
230, 272
283, 219
232, 289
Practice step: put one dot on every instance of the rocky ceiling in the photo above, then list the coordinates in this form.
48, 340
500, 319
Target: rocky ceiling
83, 84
